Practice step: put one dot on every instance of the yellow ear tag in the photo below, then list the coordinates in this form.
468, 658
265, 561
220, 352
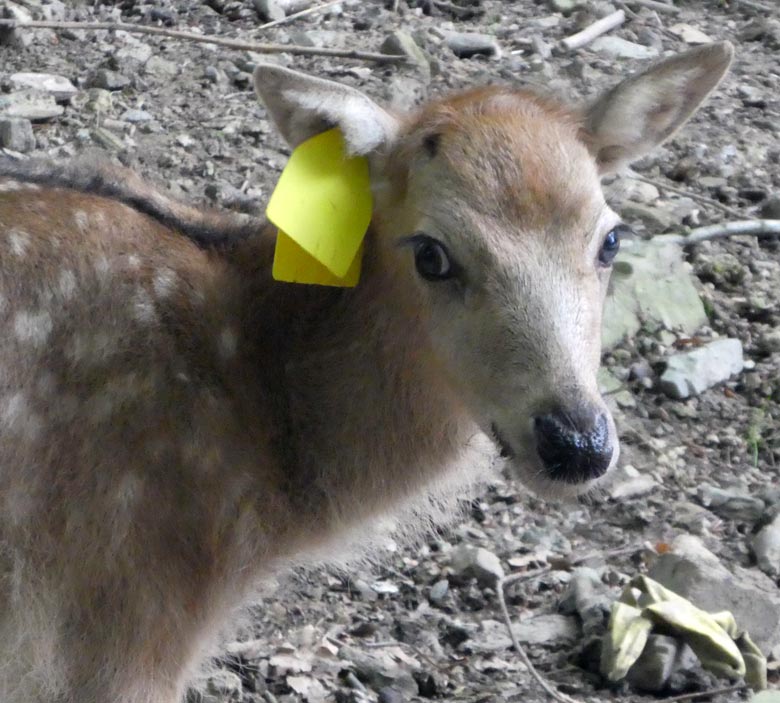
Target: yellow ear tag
322, 207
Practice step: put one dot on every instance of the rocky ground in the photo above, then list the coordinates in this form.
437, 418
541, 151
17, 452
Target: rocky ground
695, 501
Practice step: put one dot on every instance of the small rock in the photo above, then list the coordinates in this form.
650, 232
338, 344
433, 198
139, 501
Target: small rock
693, 572
388, 694
588, 597
401, 42
439, 591
656, 219
553, 629
136, 116
629, 483
467, 44
565, 7
16, 134
731, 504
689, 34
30, 105
161, 68
107, 80
766, 548
224, 683
770, 210
656, 664
769, 342
269, 10
58, 86
693, 372
8, 36
621, 48
468, 562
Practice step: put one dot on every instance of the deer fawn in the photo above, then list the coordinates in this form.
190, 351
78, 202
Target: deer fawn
175, 425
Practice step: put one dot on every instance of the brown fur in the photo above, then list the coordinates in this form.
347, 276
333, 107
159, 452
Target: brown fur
174, 425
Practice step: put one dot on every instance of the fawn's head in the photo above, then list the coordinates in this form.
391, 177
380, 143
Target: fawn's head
489, 213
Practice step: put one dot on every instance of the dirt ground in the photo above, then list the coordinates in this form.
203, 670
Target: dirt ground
411, 627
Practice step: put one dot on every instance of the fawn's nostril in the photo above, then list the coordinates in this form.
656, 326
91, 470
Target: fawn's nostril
573, 449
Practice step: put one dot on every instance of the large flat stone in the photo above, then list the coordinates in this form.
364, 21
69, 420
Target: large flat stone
651, 285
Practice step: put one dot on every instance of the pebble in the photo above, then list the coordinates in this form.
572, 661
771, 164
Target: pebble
467, 44
269, 10
439, 591
16, 134
57, 86
622, 48
401, 42
689, 34
565, 7
226, 683
766, 548
30, 105
693, 372
770, 210
731, 504
629, 483
107, 80
470, 562
136, 116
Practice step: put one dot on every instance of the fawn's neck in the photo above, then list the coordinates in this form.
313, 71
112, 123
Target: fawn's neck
363, 418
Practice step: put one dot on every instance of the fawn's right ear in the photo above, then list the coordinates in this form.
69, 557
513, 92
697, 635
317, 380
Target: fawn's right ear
303, 106
646, 109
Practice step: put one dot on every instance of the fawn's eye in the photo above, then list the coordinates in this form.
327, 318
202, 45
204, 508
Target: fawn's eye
431, 259
611, 244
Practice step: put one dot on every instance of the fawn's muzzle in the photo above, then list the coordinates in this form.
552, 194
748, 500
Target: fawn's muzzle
574, 446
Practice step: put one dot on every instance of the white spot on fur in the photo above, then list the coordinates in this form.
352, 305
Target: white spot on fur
90, 349
143, 309
20, 242
228, 342
33, 327
82, 221
133, 262
67, 284
102, 268
164, 282
18, 417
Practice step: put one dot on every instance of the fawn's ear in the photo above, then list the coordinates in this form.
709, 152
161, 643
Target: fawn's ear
302, 106
646, 109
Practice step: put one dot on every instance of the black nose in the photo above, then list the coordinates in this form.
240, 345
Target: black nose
574, 446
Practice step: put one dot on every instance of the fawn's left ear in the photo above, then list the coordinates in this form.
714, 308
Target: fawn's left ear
303, 106
646, 109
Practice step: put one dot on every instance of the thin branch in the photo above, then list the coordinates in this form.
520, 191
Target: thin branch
704, 694
687, 194
548, 689
206, 39
296, 15
719, 231
587, 35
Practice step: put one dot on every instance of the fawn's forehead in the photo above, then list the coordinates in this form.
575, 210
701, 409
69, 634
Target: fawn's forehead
510, 154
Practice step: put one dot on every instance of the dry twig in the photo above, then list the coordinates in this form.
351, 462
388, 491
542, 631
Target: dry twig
548, 689
260, 48
719, 231
704, 694
587, 35
687, 194
296, 15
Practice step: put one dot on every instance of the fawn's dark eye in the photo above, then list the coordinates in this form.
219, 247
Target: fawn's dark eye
431, 259
611, 244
